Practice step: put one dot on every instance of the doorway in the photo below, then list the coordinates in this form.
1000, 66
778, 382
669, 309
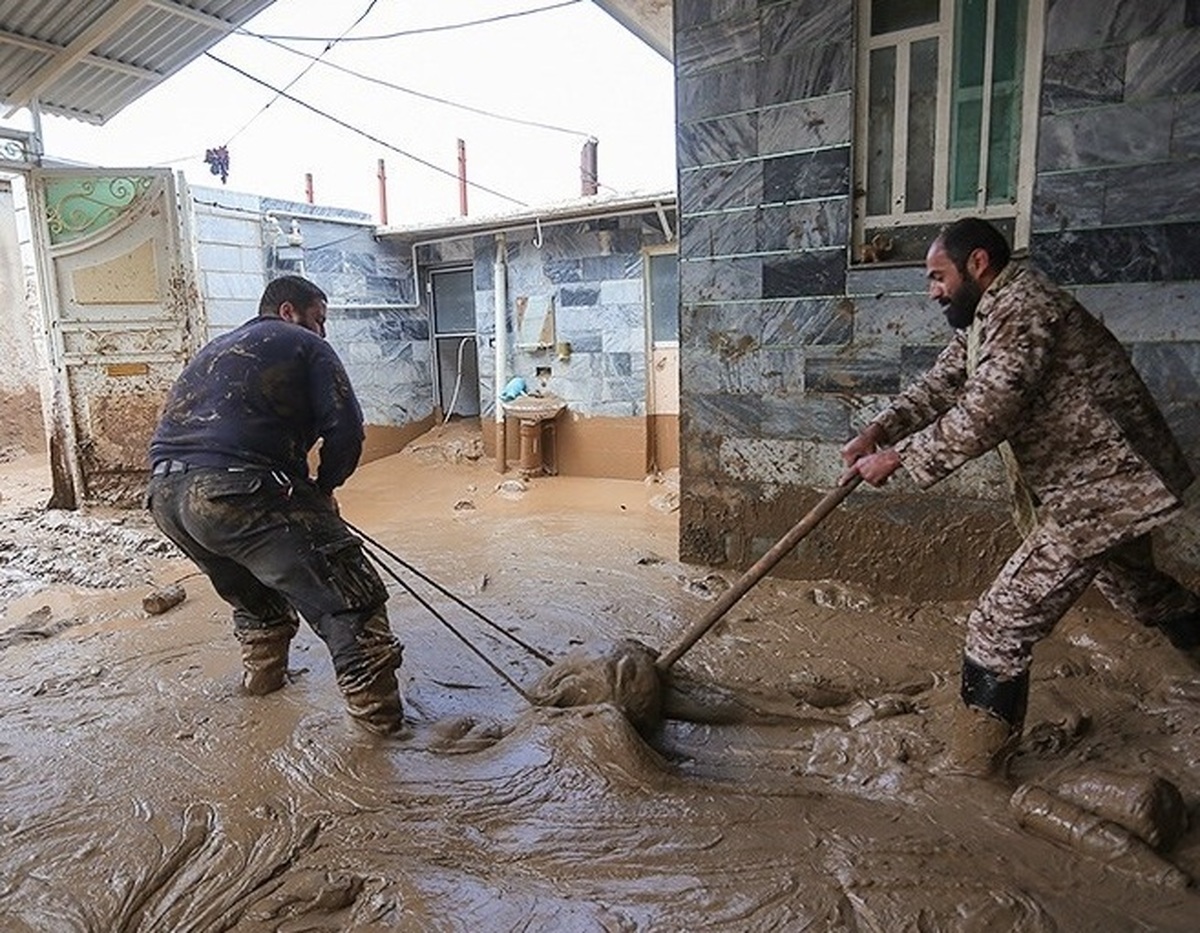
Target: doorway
662, 330
452, 306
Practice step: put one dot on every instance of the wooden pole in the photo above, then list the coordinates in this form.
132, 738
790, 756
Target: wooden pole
760, 569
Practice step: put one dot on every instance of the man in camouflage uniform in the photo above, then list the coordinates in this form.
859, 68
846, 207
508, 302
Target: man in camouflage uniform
230, 485
1032, 374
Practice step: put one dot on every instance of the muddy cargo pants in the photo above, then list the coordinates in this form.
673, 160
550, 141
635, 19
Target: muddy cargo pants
272, 548
1041, 581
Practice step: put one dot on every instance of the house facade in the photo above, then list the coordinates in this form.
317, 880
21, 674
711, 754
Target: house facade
413, 315
820, 147
577, 300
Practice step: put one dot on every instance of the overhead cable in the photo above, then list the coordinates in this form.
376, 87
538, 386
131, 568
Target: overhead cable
361, 132
307, 68
414, 32
439, 100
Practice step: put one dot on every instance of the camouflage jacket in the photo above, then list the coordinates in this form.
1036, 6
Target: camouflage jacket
1054, 382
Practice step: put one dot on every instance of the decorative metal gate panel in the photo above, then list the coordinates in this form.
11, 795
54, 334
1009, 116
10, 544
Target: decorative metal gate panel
123, 314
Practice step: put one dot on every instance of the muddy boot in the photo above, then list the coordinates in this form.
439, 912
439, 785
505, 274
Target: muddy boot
377, 707
367, 676
265, 657
981, 744
987, 727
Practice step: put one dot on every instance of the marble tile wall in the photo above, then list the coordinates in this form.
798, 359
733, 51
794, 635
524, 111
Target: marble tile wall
593, 271
786, 344
768, 356
379, 332
1116, 210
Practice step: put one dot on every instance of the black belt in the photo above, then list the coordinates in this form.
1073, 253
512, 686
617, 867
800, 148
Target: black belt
163, 467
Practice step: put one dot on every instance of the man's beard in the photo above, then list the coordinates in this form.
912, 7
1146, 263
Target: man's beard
960, 309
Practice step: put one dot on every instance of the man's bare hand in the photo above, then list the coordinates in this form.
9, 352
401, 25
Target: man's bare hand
875, 468
866, 443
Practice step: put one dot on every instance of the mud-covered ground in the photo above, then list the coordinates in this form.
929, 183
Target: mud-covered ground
142, 792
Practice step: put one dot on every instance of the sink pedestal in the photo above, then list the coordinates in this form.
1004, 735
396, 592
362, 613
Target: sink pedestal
531, 463
533, 412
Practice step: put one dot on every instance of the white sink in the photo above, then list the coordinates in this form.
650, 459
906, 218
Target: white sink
534, 408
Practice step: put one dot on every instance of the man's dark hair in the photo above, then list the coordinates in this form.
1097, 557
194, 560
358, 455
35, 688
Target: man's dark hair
961, 238
296, 290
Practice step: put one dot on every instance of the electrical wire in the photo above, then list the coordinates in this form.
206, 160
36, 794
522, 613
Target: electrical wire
307, 68
415, 32
438, 100
363, 133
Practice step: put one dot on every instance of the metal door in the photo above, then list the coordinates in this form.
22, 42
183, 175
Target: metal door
453, 305
122, 313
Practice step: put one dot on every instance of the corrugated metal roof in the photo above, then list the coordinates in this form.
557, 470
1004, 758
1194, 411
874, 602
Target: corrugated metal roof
576, 209
88, 59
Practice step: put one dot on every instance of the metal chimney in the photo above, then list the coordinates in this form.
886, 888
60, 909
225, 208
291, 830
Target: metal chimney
588, 174
462, 178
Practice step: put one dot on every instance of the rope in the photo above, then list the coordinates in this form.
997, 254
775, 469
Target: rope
445, 622
445, 592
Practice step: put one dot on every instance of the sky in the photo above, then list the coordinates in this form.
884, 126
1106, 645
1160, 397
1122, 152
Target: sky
573, 68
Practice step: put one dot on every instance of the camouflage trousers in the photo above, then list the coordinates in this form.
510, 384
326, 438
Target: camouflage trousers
273, 548
1041, 581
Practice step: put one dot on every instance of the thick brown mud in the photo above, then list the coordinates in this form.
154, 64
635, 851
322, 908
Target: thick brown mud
791, 785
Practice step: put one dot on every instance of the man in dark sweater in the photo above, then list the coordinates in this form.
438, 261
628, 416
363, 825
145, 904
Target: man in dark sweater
230, 486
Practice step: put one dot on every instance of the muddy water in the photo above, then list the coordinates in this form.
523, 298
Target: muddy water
142, 792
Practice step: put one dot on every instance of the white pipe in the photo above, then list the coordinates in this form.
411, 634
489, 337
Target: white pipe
500, 287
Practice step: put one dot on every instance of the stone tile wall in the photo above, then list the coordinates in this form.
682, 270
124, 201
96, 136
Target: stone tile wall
592, 272
230, 264
787, 348
1116, 211
769, 362
379, 331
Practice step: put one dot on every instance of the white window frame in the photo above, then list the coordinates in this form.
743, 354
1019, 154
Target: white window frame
943, 30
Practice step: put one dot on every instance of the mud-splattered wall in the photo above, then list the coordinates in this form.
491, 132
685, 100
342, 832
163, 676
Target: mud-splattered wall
379, 331
22, 427
787, 345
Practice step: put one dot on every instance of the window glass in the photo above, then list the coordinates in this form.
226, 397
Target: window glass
922, 124
1005, 127
893, 15
881, 115
941, 101
664, 297
453, 302
966, 104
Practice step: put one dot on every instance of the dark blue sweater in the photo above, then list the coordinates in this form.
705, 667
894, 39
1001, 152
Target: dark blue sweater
260, 397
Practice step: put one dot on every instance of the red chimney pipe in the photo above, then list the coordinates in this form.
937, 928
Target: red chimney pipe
588, 174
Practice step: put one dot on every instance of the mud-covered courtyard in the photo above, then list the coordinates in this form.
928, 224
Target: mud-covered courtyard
142, 791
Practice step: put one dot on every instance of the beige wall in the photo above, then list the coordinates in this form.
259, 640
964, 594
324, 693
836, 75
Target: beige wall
22, 427
612, 448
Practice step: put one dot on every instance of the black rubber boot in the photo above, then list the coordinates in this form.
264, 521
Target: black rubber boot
987, 727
